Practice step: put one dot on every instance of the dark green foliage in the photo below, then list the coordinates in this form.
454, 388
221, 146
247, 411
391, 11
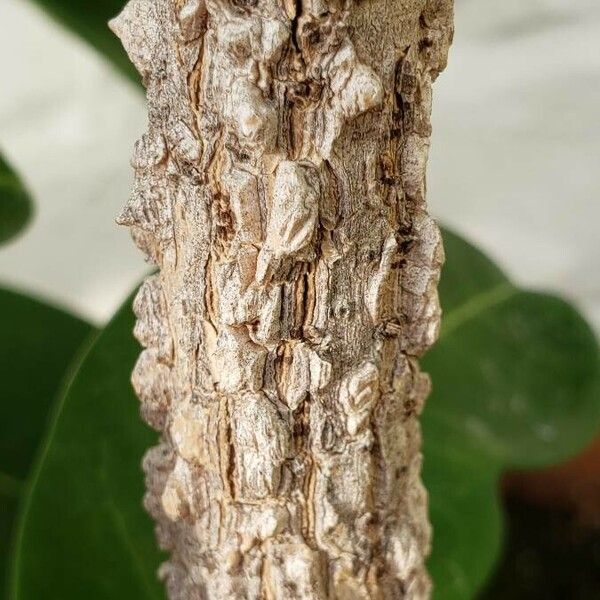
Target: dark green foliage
15, 205
83, 532
37, 341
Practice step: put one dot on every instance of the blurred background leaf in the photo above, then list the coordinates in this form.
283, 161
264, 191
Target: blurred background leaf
89, 21
37, 341
515, 378
83, 531
16, 207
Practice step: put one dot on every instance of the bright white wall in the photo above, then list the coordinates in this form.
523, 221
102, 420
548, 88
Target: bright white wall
515, 162
68, 123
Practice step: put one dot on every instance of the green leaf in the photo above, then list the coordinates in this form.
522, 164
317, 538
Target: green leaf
83, 532
515, 384
15, 205
37, 342
89, 21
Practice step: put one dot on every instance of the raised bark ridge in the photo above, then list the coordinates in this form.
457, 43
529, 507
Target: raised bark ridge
280, 189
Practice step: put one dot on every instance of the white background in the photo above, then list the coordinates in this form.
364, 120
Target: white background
515, 160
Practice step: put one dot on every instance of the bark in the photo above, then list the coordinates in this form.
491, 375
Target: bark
280, 189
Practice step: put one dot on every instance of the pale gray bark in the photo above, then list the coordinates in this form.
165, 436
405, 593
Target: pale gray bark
281, 190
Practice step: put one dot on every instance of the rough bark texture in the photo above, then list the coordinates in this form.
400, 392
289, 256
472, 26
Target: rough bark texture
280, 189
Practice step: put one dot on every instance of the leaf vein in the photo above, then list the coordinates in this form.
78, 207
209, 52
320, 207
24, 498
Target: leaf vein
470, 309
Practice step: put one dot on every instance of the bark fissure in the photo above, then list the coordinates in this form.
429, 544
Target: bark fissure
280, 189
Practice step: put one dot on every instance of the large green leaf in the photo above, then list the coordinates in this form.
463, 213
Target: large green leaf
514, 376
83, 532
89, 20
37, 342
15, 205
515, 384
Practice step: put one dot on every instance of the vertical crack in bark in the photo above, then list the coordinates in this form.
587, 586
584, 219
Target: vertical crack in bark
280, 189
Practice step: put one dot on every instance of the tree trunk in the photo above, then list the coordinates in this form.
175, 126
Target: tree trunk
280, 189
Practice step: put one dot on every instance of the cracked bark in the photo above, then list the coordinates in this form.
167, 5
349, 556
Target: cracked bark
280, 189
